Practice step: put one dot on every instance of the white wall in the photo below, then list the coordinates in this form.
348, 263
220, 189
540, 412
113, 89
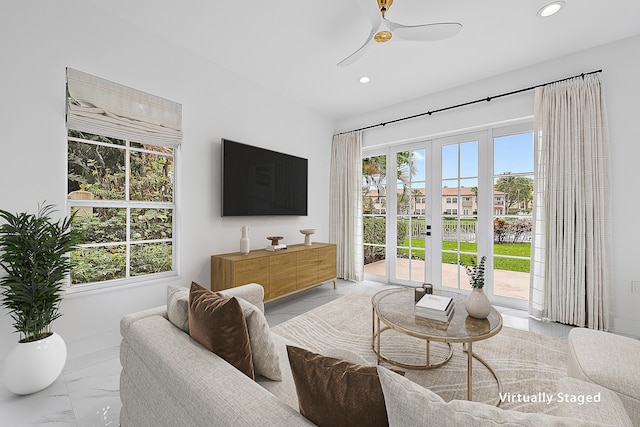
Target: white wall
38, 42
620, 63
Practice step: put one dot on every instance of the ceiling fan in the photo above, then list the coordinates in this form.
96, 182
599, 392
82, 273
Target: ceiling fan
384, 30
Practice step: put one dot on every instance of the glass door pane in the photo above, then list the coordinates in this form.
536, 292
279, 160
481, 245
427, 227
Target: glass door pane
459, 211
512, 214
410, 216
374, 207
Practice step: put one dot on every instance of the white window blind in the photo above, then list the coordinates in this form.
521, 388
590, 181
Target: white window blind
106, 108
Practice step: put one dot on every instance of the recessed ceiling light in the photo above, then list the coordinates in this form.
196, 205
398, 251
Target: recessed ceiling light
364, 79
551, 9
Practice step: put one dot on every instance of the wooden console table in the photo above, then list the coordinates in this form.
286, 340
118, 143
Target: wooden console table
281, 273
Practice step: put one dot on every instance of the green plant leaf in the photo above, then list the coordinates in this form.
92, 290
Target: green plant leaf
33, 255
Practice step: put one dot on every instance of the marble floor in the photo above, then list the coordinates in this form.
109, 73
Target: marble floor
87, 392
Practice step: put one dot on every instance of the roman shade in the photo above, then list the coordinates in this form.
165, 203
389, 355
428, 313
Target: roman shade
106, 108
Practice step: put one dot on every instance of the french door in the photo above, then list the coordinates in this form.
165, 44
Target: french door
437, 222
435, 204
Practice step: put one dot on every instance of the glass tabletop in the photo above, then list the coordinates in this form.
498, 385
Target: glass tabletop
395, 308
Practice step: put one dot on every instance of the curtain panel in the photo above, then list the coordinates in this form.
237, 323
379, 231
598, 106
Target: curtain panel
571, 280
345, 204
106, 108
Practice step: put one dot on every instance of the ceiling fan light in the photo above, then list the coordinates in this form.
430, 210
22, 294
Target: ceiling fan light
550, 9
383, 36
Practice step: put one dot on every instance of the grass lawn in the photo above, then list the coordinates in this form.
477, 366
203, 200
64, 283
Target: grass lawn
499, 262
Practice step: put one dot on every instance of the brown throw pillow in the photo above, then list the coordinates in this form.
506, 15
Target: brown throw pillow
219, 325
334, 392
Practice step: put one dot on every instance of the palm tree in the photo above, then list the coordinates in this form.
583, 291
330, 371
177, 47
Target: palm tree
517, 189
374, 172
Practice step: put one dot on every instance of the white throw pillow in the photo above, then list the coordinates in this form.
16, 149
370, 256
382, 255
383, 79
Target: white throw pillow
178, 307
266, 361
409, 404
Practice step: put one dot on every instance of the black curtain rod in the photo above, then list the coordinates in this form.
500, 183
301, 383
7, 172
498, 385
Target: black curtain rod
487, 99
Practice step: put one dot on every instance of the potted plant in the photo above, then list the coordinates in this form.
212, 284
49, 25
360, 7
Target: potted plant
34, 258
477, 303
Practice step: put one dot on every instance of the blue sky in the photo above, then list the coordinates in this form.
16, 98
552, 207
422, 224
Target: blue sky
513, 153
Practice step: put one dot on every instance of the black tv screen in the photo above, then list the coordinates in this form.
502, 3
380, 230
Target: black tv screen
257, 181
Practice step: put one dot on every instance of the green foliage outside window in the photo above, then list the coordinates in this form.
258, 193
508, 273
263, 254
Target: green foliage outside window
150, 258
98, 172
375, 232
98, 264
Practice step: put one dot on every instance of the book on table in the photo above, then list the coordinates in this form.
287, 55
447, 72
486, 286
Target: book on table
435, 307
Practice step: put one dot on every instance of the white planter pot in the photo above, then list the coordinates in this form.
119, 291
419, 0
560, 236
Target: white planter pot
477, 304
34, 366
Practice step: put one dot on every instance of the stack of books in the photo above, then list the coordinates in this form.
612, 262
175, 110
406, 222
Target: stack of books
435, 307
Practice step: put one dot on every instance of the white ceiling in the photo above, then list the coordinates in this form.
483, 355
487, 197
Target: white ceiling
293, 46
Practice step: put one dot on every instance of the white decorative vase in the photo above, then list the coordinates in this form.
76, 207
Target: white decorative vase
33, 366
477, 304
244, 241
307, 235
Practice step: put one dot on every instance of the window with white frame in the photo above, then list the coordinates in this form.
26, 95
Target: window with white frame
120, 182
123, 194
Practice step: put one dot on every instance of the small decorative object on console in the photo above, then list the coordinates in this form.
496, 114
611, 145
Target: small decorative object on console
275, 243
307, 235
244, 241
275, 240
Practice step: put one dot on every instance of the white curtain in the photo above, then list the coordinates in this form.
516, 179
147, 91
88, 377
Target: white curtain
106, 108
571, 279
345, 204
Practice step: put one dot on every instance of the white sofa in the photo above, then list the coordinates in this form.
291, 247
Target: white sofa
610, 360
168, 379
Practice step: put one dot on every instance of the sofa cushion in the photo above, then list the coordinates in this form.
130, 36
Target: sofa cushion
409, 404
266, 361
178, 307
218, 324
610, 360
588, 401
334, 392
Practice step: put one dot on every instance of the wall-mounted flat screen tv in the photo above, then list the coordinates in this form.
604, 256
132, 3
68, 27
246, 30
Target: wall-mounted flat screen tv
257, 181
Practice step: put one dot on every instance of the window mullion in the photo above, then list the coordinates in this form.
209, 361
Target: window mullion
128, 244
127, 180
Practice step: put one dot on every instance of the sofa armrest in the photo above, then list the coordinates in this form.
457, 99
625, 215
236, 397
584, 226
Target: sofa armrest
252, 292
590, 402
169, 379
129, 319
609, 360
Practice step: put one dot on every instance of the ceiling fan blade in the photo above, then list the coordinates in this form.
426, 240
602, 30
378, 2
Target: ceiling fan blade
358, 53
371, 11
426, 32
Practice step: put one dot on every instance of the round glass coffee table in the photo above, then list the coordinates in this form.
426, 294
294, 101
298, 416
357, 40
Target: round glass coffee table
394, 309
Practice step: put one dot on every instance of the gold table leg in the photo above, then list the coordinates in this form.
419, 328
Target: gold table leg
466, 347
469, 371
428, 353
